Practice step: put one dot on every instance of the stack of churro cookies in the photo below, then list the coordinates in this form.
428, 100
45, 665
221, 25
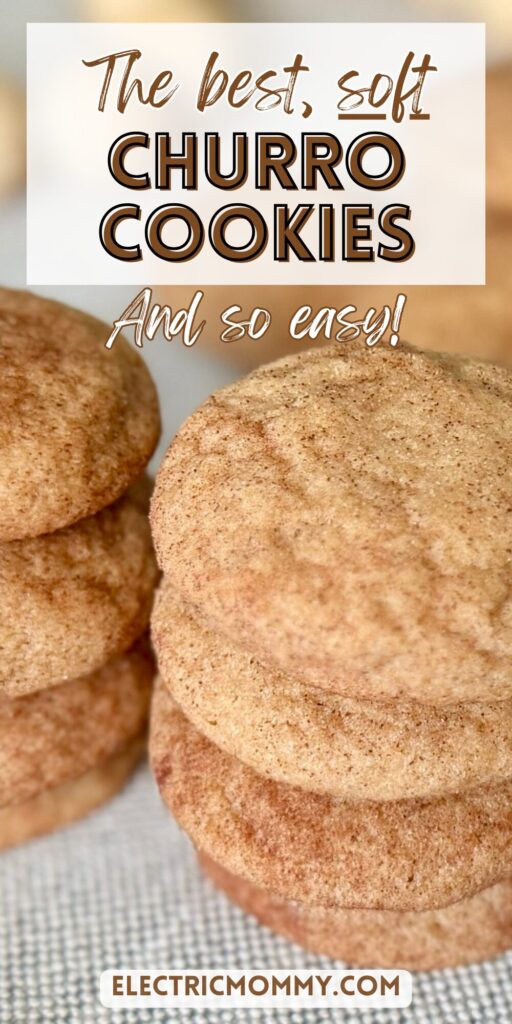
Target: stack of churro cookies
332, 723
77, 570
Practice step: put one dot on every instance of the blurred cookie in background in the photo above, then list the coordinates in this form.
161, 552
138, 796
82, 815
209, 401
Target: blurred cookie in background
155, 10
61, 805
497, 15
60, 733
472, 320
499, 139
12, 133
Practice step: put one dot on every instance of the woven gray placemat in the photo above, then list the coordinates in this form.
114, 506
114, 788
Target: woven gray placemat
122, 889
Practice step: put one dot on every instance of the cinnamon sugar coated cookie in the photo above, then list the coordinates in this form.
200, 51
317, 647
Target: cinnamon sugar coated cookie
73, 599
318, 849
322, 741
52, 736
346, 515
54, 808
471, 930
79, 422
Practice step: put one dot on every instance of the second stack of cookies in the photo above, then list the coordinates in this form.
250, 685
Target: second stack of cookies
333, 632
77, 569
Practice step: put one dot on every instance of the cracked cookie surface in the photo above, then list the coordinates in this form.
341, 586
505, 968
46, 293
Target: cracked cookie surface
346, 515
73, 599
78, 423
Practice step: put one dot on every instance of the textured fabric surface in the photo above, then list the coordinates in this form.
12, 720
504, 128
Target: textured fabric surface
122, 889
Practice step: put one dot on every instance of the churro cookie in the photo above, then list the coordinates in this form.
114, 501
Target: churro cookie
318, 849
55, 735
73, 599
474, 929
322, 741
64, 804
345, 514
78, 422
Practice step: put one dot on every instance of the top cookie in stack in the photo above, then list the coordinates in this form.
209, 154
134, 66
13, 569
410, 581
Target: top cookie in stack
335, 626
77, 572
345, 515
